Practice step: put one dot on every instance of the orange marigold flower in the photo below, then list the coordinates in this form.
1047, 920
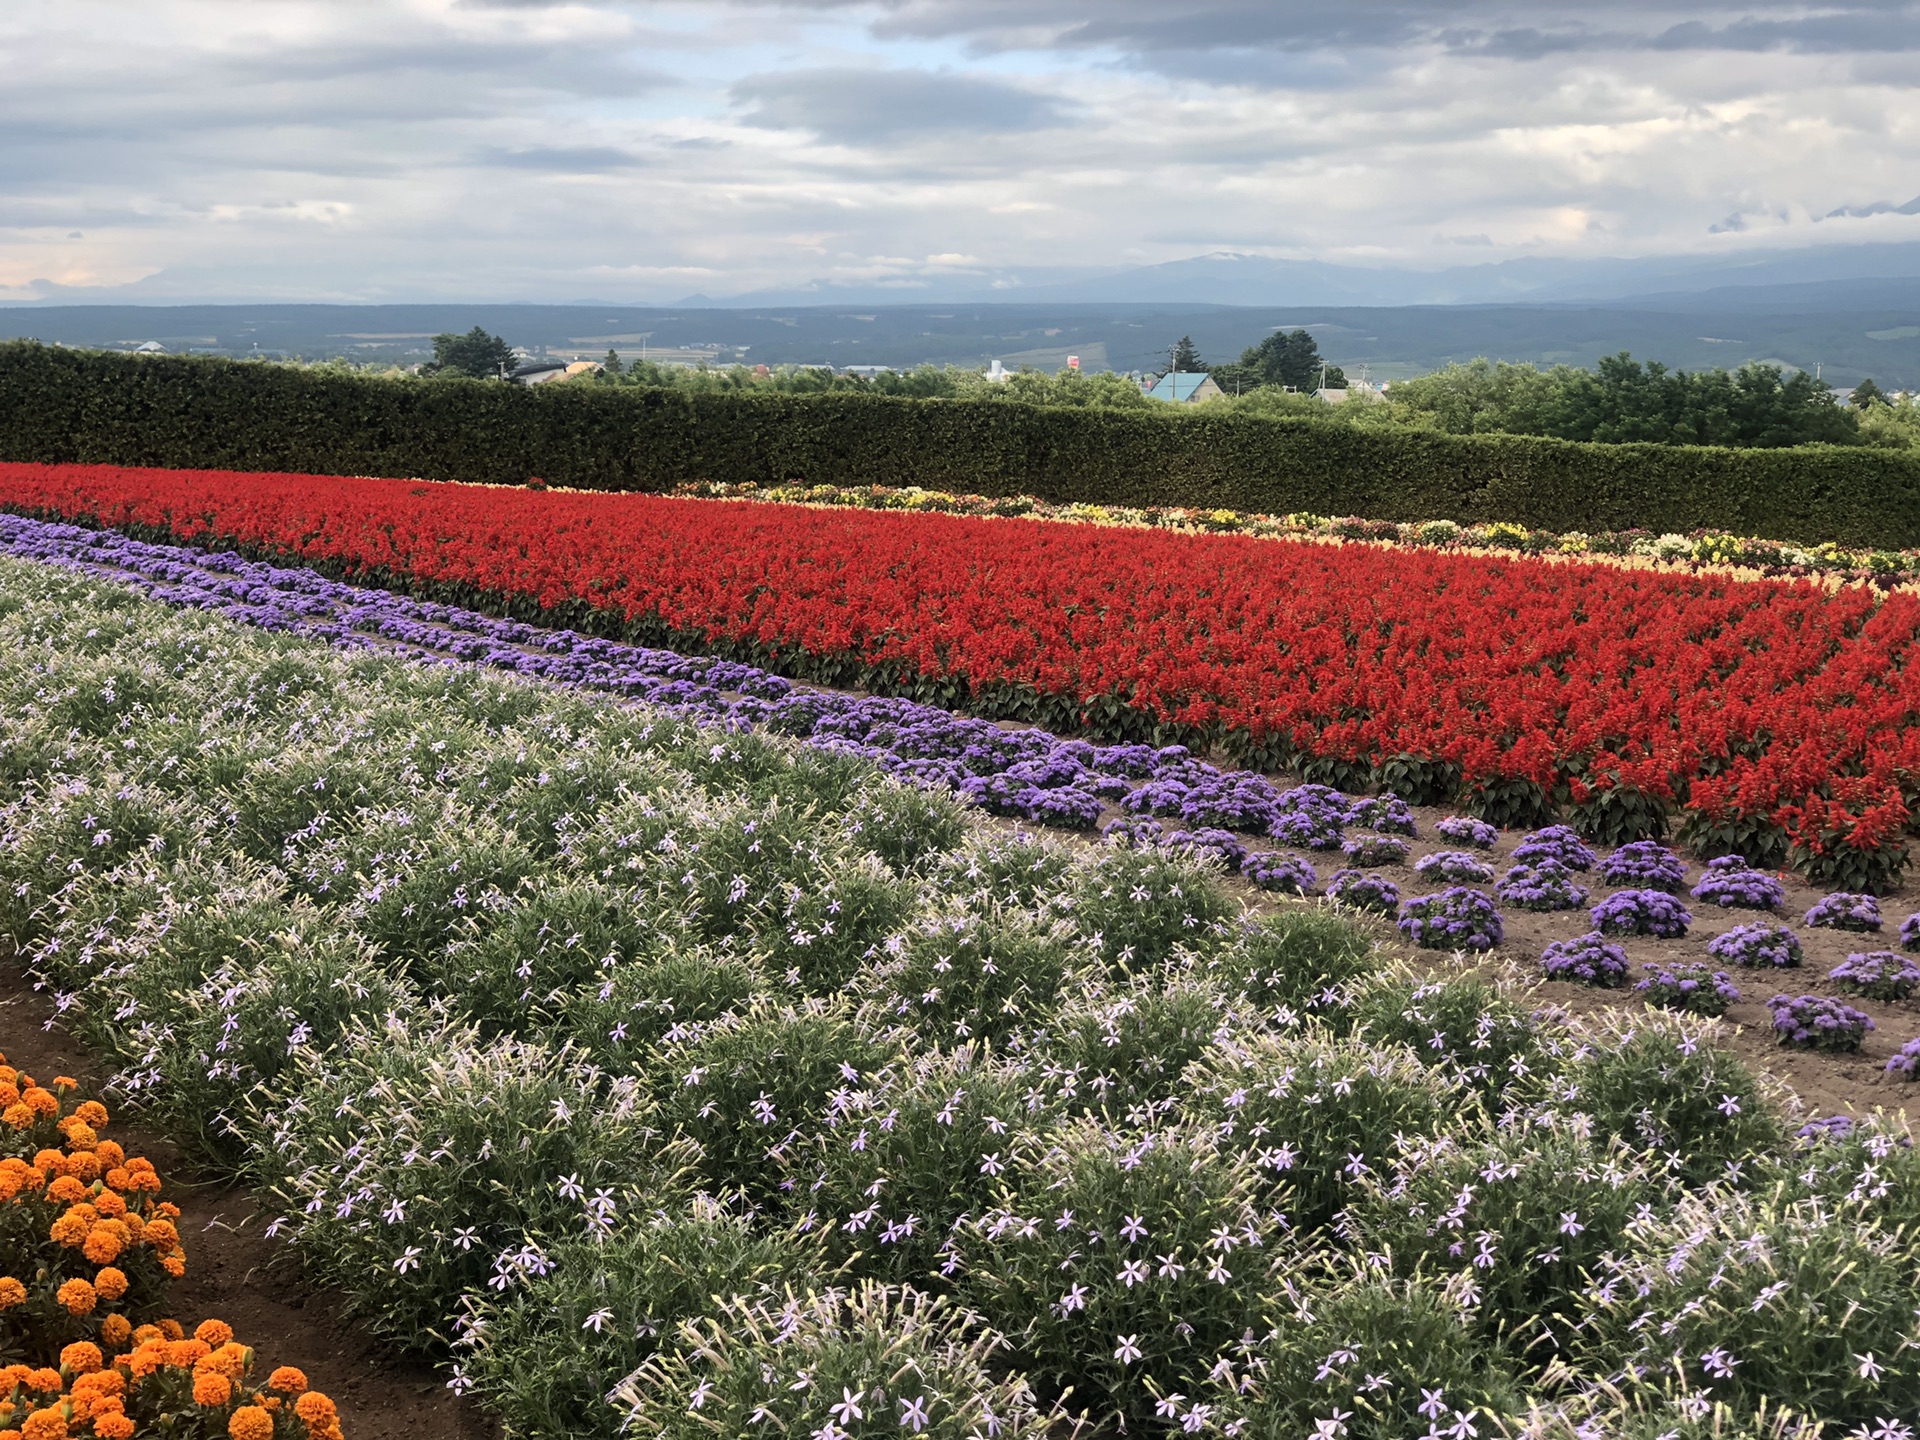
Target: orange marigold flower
215, 1332
110, 1153
84, 1166
104, 1385
73, 1226
115, 1329
173, 1329
113, 1427
41, 1102
54, 1162
82, 1357
110, 1205
111, 1282
167, 1210
68, 1189
231, 1359
44, 1425
78, 1296
18, 1115
104, 1242
46, 1380
288, 1380
211, 1388
316, 1409
161, 1234
173, 1265
80, 1135
250, 1422
92, 1112
65, 1082
117, 1177
12, 1292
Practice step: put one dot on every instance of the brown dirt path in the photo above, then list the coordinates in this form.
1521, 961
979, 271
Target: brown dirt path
236, 1274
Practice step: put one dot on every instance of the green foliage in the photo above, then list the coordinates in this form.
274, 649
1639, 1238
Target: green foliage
60, 405
476, 354
1288, 359
1621, 401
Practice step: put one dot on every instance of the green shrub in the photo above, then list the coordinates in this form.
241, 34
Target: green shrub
67, 405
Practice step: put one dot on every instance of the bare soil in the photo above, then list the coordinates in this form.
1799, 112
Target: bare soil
234, 1273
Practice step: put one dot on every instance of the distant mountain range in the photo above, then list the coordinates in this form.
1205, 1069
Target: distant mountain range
1229, 278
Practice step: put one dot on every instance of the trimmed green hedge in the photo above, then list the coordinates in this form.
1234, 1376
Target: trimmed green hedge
72, 405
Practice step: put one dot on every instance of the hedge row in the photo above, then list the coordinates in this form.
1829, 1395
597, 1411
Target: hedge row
69, 405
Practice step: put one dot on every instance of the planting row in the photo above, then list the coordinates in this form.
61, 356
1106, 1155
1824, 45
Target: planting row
1710, 547
1032, 775
87, 1252
654, 1073
1766, 714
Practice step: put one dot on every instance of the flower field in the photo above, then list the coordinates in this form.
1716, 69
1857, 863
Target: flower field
647, 1068
1758, 714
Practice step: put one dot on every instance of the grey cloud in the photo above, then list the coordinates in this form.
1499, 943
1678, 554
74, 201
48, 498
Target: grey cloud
560, 159
850, 104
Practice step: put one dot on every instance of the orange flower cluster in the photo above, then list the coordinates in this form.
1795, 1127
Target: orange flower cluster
86, 1251
84, 1237
168, 1383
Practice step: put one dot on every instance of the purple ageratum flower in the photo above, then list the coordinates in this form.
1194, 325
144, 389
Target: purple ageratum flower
1877, 974
1905, 1065
1556, 842
1699, 989
1385, 814
1465, 830
1459, 918
1910, 933
1223, 843
1309, 830
1545, 885
1069, 809
1235, 802
1814, 1022
1843, 911
1453, 865
1731, 883
1832, 1127
1133, 832
1364, 891
1755, 945
1641, 912
1374, 850
1645, 865
1157, 797
1589, 960
1284, 874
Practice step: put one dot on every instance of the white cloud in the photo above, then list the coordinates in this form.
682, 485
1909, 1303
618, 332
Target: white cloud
633, 149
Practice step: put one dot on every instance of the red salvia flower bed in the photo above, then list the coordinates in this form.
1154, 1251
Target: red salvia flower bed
1783, 700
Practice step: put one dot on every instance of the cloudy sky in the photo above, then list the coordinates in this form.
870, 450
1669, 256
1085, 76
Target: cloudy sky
644, 149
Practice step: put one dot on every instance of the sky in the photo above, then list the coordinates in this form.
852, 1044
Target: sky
646, 150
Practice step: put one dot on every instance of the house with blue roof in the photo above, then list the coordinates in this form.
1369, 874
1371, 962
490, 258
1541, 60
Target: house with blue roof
1185, 387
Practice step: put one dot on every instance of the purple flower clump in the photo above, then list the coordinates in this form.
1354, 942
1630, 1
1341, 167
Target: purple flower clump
1284, 874
1831, 1127
1699, 989
1731, 883
1814, 1022
1223, 843
1544, 885
1133, 833
1556, 842
1877, 974
1641, 912
1374, 850
1905, 1064
1842, 911
1308, 829
1646, 865
1910, 933
1754, 945
1386, 814
1453, 865
1589, 960
1364, 891
1465, 830
1459, 918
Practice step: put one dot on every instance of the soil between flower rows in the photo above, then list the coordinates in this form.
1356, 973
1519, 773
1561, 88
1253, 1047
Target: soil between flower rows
236, 1274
